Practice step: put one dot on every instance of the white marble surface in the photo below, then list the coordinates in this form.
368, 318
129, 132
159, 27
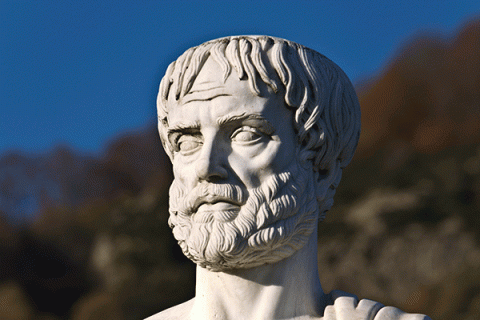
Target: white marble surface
258, 130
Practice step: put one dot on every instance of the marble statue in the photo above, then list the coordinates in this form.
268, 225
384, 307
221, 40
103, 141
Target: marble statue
258, 130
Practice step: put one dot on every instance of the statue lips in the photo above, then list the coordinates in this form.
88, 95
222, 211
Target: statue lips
224, 209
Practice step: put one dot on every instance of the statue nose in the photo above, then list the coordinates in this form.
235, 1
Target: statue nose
209, 166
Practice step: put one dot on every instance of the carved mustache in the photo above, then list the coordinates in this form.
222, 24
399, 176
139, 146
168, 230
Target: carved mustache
213, 193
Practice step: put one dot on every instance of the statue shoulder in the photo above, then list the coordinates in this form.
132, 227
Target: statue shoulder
342, 305
180, 312
392, 313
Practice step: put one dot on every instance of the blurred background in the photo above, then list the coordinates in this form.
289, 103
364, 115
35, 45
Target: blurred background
84, 181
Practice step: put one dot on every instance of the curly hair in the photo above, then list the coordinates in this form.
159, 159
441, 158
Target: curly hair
327, 112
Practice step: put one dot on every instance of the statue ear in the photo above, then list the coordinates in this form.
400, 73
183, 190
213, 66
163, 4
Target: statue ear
327, 182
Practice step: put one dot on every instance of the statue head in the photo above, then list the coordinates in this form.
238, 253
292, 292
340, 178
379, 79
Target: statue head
258, 130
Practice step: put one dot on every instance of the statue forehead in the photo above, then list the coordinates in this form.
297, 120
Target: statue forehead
212, 76
210, 83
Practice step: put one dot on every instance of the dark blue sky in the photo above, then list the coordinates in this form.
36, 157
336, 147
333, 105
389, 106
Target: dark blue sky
81, 72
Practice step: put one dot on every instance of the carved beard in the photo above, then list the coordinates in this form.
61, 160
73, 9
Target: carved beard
276, 220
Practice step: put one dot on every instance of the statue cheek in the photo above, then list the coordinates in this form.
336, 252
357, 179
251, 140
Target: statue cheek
276, 157
183, 173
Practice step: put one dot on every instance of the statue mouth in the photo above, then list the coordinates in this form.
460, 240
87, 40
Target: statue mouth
217, 206
215, 203
222, 209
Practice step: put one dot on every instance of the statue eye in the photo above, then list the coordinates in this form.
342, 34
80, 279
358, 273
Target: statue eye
186, 143
246, 135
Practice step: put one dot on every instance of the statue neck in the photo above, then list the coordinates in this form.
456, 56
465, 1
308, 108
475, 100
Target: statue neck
287, 289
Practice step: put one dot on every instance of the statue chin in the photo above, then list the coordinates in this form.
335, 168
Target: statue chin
276, 220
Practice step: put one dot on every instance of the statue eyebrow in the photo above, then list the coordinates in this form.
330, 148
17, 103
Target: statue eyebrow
183, 126
244, 117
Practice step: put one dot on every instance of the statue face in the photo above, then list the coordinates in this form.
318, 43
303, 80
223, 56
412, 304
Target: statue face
237, 179
223, 133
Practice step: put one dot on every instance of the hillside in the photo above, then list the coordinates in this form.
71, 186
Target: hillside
427, 98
